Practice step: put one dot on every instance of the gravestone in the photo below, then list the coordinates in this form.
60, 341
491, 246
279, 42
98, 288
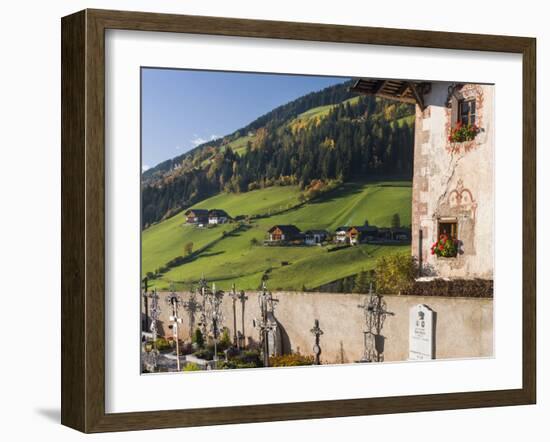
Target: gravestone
421, 333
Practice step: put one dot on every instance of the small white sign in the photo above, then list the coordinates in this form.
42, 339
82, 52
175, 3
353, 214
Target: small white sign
421, 331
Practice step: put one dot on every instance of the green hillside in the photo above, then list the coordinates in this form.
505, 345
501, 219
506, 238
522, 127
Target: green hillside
239, 145
235, 258
255, 202
329, 135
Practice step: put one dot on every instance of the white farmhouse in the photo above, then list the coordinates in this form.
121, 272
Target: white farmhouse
217, 216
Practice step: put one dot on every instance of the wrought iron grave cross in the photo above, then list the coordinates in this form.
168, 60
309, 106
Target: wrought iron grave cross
317, 332
174, 300
192, 306
374, 309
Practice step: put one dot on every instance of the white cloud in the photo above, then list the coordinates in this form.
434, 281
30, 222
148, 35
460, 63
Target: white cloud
197, 140
144, 167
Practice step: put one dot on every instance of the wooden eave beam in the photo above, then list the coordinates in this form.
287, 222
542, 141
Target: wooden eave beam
417, 95
395, 98
379, 86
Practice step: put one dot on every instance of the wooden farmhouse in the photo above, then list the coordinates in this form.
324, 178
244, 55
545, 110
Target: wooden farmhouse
341, 234
202, 217
197, 216
315, 237
285, 233
453, 190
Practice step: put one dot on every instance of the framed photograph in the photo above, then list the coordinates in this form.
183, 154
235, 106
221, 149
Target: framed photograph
266, 221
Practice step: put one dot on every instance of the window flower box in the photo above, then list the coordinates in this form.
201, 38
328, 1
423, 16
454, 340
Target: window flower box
461, 132
445, 247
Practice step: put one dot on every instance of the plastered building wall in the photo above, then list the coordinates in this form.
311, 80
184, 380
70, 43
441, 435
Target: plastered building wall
454, 181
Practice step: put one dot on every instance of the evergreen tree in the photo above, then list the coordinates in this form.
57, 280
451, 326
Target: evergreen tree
395, 221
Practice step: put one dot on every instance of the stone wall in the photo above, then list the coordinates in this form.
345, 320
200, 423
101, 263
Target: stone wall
464, 326
454, 181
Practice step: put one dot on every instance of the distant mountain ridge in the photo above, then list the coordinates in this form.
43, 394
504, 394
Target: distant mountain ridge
322, 138
330, 95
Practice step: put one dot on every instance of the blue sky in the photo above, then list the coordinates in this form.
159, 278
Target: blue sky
182, 109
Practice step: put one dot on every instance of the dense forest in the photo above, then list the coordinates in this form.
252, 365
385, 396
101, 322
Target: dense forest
322, 138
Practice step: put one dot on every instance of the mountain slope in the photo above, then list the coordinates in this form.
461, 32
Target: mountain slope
328, 136
237, 255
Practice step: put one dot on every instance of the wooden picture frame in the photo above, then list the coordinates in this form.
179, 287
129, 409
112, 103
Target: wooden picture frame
83, 220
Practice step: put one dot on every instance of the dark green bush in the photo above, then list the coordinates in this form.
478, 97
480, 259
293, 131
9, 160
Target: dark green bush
191, 366
395, 273
467, 288
225, 340
162, 344
198, 338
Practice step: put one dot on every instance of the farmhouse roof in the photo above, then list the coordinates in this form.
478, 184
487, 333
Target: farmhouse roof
366, 228
406, 91
316, 232
287, 229
218, 212
197, 212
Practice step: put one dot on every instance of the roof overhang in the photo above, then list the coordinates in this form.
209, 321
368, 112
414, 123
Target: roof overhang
401, 90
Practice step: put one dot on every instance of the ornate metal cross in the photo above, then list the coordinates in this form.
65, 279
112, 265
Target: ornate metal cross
234, 297
317, 332
151, 355
145, 322
204, 293
174, 300
264, 325
243, 298
154, 312
214, 316
192, 306
374, 309
266, 300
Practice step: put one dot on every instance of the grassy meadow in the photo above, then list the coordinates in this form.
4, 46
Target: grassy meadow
238, 256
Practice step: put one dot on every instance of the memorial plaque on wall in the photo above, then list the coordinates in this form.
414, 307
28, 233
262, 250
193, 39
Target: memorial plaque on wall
421, 331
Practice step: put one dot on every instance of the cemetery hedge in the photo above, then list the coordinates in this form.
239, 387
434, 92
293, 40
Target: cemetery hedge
465, 288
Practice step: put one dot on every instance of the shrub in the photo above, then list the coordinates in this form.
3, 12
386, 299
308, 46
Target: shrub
245, 359
204, 354
394, 273
162, 344
253, 186
396, 221
228, 365
290, 360
191, 366
188, 248
225, 340
198, 338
